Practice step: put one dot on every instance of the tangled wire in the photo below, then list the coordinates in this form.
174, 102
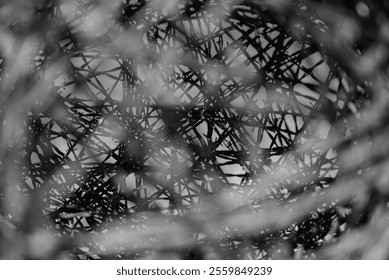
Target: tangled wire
194, 129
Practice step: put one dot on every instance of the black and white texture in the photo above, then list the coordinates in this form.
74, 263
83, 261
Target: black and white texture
194, 129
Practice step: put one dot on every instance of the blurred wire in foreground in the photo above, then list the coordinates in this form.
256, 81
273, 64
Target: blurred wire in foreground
194, 129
